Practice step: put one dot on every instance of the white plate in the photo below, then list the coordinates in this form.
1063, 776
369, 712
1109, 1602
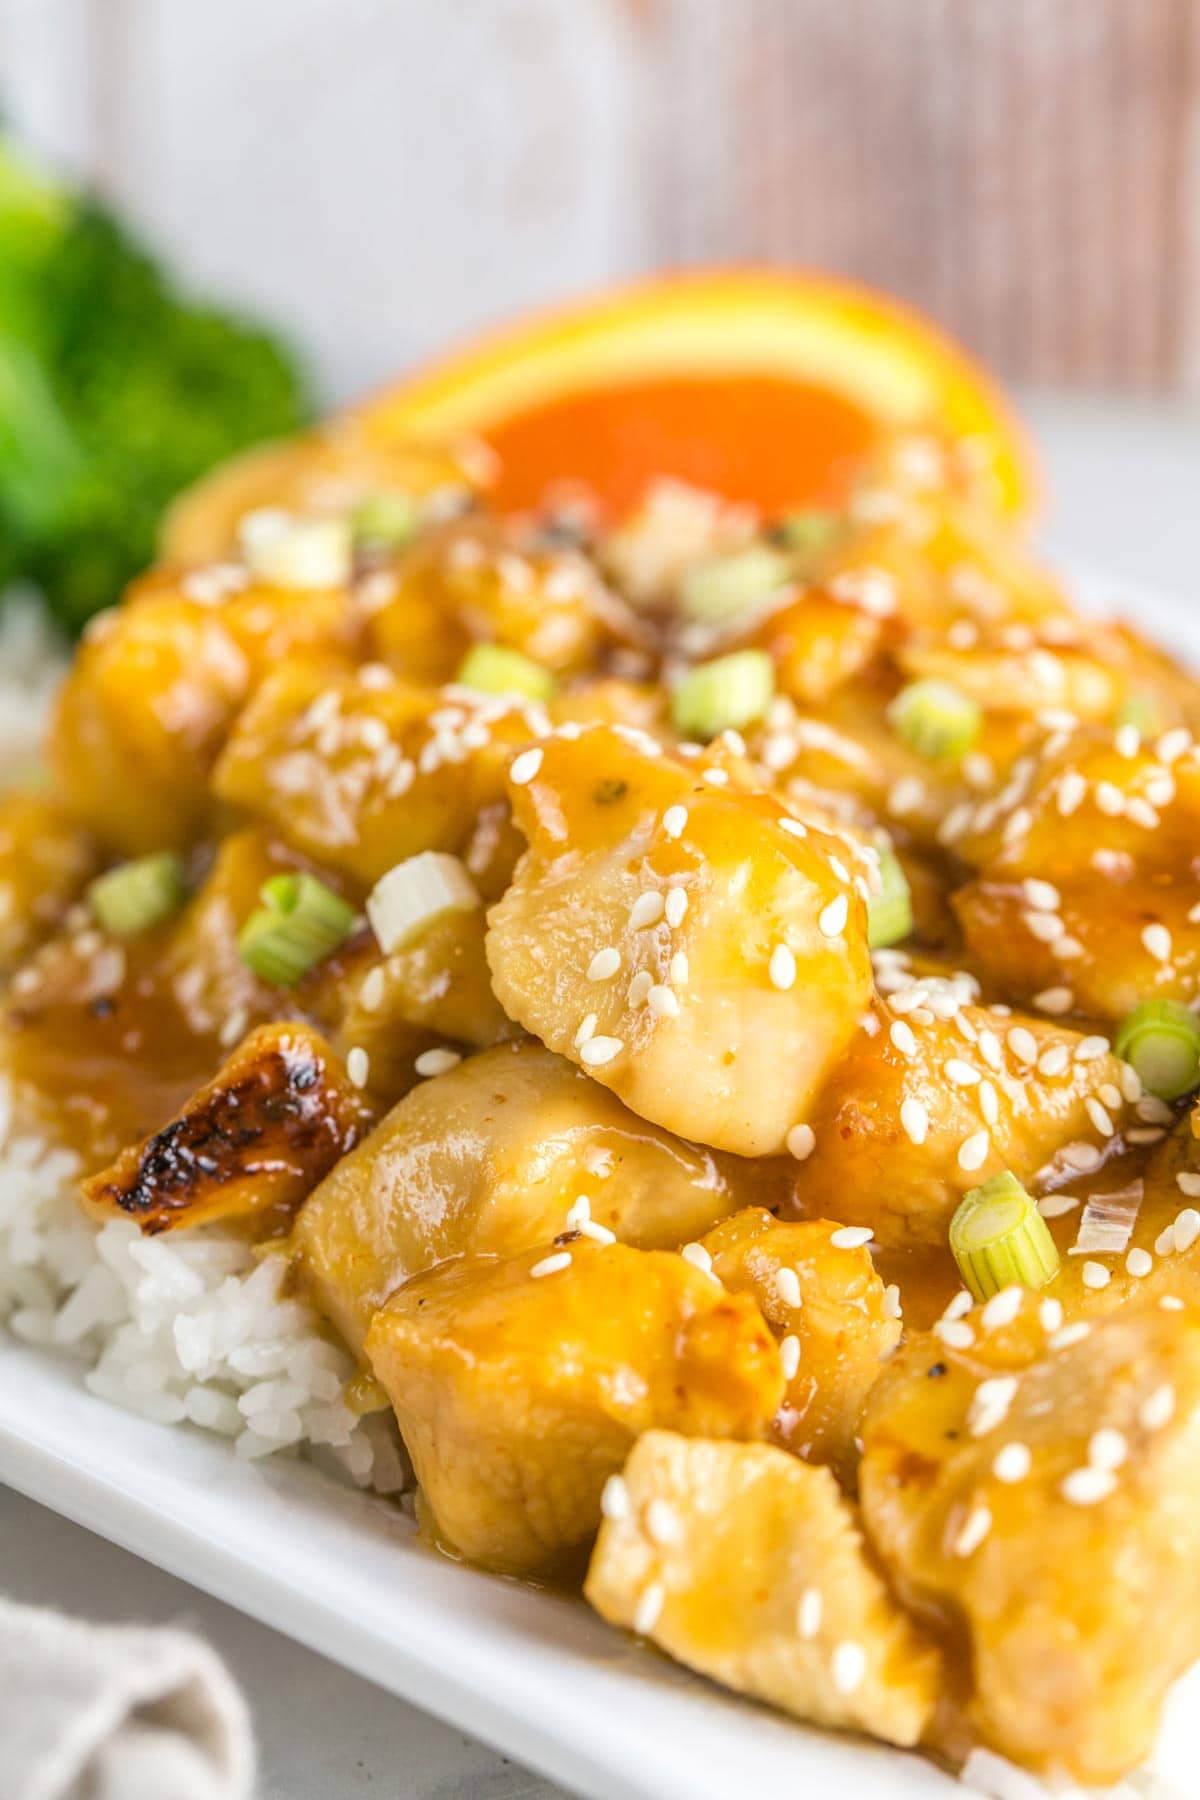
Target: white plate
535, 1674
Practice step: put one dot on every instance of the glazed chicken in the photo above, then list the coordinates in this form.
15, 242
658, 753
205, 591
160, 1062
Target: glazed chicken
700, 1005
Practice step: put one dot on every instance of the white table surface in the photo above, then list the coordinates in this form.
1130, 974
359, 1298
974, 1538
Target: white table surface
1124, 494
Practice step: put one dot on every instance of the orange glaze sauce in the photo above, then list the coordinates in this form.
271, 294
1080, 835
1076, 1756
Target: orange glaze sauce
752, 438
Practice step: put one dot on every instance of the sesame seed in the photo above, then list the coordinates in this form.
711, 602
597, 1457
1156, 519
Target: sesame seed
662, 1002
1002, 1308
358, 1066
1070, 1334
794, 828
1056, 1206
1087, 1487
958, 1305
891, 1301
1041, 895
1110, 799
675, 821
915, 1120
676, 907
1107, 1448
437, 1062
604, 964
1050, 1314
801, 1142
614, 1498
1188, 1184
600, 1050
848, 1666
1023, 1044
903, 1038
370, 994
832, 920
972, 1531
1072, 790
1054, 1061
787, 1286
960, 1073
1171, 1303
989, 1102
525, 766
1158, 1408
639, 988
954, 1333
1012, 1463
789, 1356
782, 968
647, 909
1173, 744
678, 968
579, 1213
1043, 926
1054, 1000
973, 1151
1099, 1116
1139, 1263
1157, 941
599, 1234
1128, 740
662, 1522
587, 1029
990, 1404
698, 1256
1186, 1228
808, 1612
649, 1608
851, 1237
1089, 1048
1085, 1158
551, 1265
1095, 1275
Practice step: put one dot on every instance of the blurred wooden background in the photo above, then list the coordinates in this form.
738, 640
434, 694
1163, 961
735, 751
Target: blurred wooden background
386, 174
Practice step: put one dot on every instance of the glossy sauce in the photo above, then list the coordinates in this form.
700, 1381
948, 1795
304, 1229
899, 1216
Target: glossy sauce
754, 438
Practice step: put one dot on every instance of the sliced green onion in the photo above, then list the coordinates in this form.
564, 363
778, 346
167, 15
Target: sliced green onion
889, 912
999, 1238
1161, 1038
1141, 712
808, 533
292, 552
384, 522
723, 695
137, 895
299, 922
491, 669
935, 718
728, 586
415, 893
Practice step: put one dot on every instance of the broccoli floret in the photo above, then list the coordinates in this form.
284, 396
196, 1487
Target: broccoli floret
115, 393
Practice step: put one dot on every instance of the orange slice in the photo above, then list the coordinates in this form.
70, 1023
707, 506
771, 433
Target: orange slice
761, 385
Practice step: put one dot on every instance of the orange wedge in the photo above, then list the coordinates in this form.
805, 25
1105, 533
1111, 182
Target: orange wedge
761, 385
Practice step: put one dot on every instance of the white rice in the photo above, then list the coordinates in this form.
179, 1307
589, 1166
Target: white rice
185, 1327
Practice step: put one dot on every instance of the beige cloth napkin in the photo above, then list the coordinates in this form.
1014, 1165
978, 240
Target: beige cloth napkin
116, 1712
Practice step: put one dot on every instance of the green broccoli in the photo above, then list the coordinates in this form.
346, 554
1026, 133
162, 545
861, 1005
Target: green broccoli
115, 393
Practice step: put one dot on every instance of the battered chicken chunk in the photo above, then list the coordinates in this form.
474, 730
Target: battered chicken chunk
692, 947
749, 1566
521, 1385
249, 1146
493, 1157
924, 1107
362, 771
836, 1323
1036, 1490
154, 689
